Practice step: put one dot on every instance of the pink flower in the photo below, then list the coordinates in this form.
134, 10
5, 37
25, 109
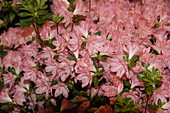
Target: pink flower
52, 66
80, 9
82, 29
119, 66
4, 96
9, 79
59, 43
73, 41
166, 106
61, 7
47, 53
43, 87
19, 98
48, 33
134, 81
109, 91
29, 50
13, 59
65, 69
84, 67
131, 49
131, 94
30, 73
7, 37
85, 78
95, 44
60, 88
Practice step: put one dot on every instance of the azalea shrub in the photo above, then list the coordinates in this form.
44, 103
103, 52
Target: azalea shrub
85, 56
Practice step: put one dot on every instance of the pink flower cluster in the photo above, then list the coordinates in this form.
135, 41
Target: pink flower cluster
112, 28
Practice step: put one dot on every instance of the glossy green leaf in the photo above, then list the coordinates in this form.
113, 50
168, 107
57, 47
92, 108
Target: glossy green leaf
43, 2
84, 44
6, 107
146, 79
152, 107
98, 33
140, 76
24, 14
72, 57
42, 12
69, 85
149, 90
95, 81
136, 106
130, 103
134, 58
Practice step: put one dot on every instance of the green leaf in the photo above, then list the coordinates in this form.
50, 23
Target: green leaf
149, 90
98, 33
40, 96
119, 98
159, 102
157, 25
1, 84
3, 53
96, 65
168, 24
24, 14
48, 103
145, 65
48, 74
6, 107
157, 82
69, 85
77, 17
140, 76
146, 79
12, 70
38, 1
103, 57
100, 72
95, 81
43, 2
84, 44
152, 107
159, 78
11, 17
42, 12
54, 26
72, 57
130, 103
136, 106
134, 58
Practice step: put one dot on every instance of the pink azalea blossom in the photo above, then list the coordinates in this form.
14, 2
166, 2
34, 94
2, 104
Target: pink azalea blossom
19, 98
109, 90
65, 69
82, 29
52, 66
131, 49
131, 94
7, 38
13, 59
43, 87
166, 106
4, 96
48, 33
80, 9
59, 43
9, 79
60, 88
118, 65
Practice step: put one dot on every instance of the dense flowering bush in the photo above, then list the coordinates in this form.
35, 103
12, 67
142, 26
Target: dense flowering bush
101, 56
